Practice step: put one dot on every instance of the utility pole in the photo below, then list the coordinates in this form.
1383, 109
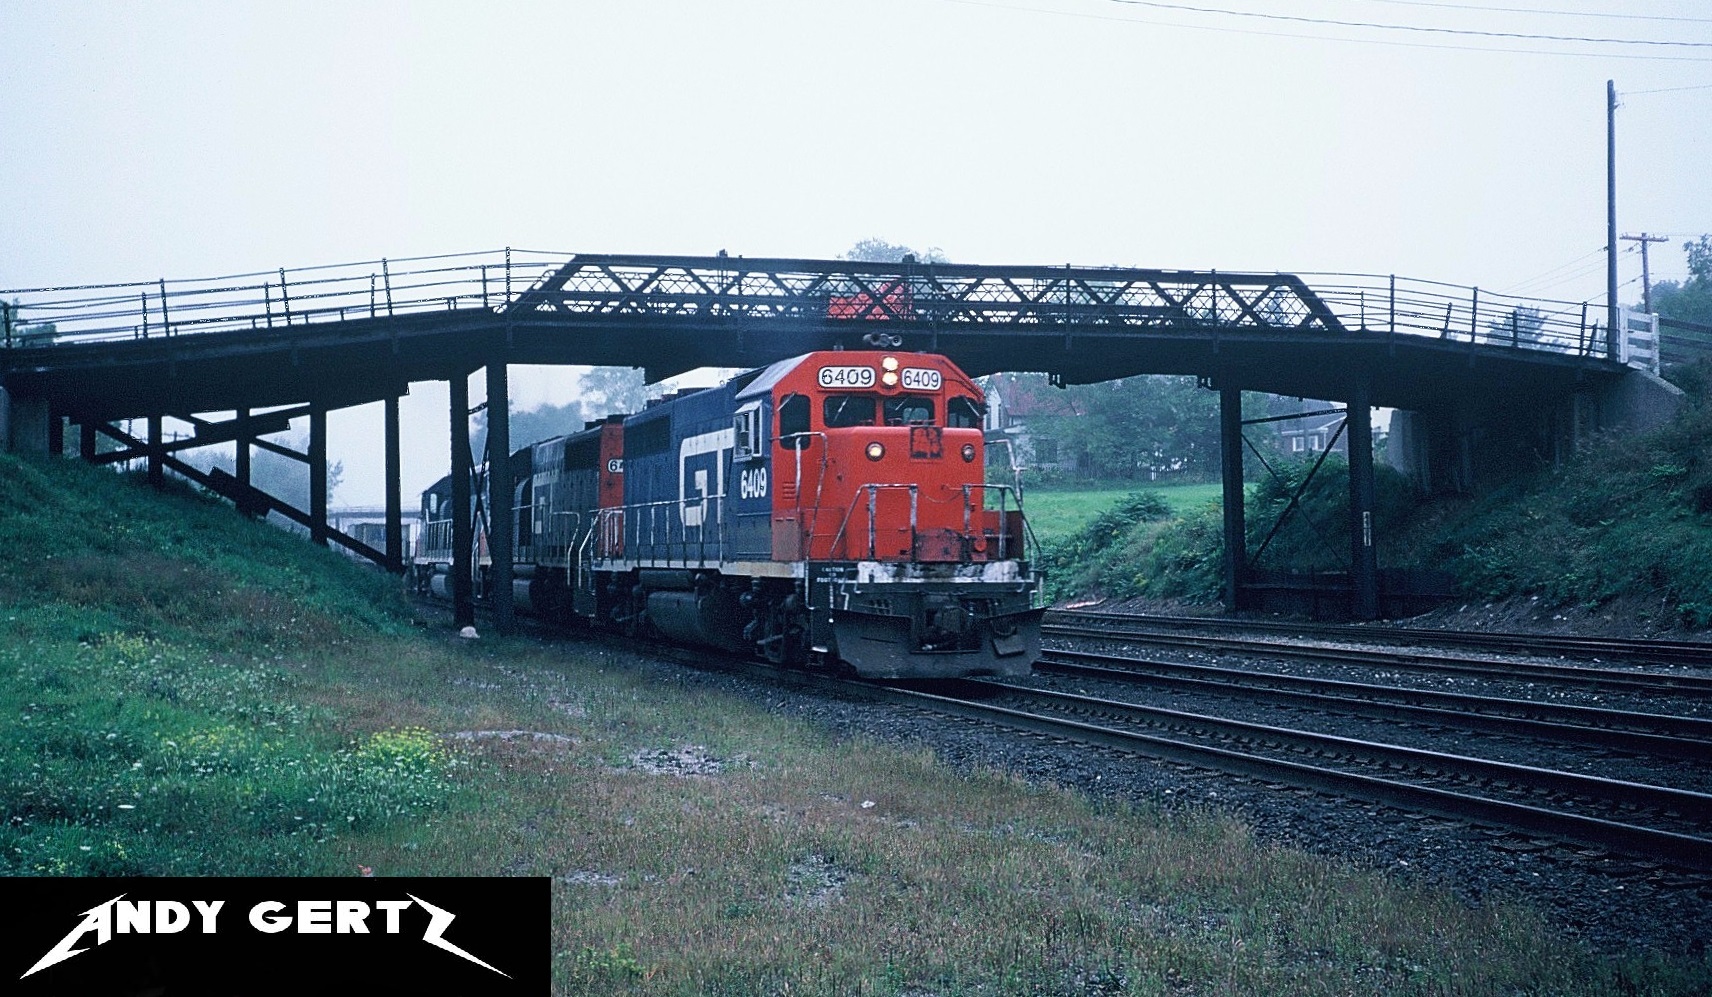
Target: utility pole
1611, 219
1646, 272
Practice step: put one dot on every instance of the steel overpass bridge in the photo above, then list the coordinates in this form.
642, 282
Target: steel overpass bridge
238, 357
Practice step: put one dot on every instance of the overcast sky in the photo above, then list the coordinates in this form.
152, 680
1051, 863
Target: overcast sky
196, 139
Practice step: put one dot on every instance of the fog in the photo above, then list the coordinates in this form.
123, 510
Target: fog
191, 139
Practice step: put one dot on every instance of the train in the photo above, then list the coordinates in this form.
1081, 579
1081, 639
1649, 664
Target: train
828, 511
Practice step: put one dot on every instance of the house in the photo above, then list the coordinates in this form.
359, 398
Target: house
1311, 435
1012, 401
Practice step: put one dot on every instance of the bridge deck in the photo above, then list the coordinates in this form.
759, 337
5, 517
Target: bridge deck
350, 334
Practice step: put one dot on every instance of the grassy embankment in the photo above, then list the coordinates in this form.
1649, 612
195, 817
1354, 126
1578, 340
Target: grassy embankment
182, 692
1628, 517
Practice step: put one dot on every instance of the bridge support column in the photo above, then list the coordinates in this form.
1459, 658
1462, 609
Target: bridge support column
318, 474
1230, 466
86, 438
501, 528
56, 433
23, 424
463, 508
157, 475
241, 462
394, 492
1363, 556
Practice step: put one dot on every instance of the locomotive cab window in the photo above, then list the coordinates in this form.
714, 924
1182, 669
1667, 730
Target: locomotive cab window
749, 432
909, 410
963, 413
793, 422
844, 411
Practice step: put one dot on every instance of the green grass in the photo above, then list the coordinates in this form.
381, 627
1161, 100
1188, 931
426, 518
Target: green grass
1057, 512
1628, 517
183, 692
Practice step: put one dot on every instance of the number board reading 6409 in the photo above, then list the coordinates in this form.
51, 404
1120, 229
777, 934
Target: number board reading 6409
921, 379
846, 377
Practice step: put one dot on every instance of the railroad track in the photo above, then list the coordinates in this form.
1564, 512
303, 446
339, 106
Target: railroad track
1640, 820
1662, 735
1603, 648
1649, 682
1648, 821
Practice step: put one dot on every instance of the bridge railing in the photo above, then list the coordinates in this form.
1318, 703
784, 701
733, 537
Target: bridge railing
529, 283
1385, 303
269, 299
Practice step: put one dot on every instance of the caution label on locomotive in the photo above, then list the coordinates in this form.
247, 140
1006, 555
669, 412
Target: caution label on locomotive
848, 377
921, 379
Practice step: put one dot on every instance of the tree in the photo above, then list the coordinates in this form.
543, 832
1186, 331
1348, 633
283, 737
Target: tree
1524, 325
612, 390
1690, 300
877, 250
602, 391
1135, 427
20, 334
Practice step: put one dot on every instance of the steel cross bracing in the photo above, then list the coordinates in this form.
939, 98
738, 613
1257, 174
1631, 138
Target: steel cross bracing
943, 294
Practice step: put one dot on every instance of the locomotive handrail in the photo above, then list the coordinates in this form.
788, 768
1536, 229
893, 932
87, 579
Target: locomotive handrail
873, 490
655, 543
571, 540
1028, 539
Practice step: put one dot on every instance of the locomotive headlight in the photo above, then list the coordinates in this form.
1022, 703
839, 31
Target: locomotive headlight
876, 451
968, 452
889, 379
889, 363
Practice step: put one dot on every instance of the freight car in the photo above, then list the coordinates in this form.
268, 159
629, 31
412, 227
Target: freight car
829, 510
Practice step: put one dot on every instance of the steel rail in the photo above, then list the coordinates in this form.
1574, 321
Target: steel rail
1688, 803
1668, 736
1659, 651
1651, 682
1684, 849
1688, 851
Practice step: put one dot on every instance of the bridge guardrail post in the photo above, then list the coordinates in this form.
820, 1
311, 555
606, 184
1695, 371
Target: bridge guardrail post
386, 279
166, 320
1393, 304
1474, 317
6, 320
284, 297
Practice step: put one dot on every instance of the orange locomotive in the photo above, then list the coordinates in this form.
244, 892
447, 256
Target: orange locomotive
827, 510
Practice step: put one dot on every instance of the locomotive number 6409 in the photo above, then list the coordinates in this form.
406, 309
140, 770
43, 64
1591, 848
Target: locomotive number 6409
752, 484
846, 377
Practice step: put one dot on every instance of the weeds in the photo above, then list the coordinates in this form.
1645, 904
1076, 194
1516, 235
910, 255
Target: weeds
316, 736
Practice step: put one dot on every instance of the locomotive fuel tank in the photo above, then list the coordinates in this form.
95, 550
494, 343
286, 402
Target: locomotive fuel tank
708, 618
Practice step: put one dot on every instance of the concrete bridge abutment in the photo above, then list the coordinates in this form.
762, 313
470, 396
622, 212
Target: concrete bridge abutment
1476, 442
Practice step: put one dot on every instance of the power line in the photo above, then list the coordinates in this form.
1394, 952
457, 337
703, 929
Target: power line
1642, 93
1299, 19
1578, 261
1441, 47
1549, 13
